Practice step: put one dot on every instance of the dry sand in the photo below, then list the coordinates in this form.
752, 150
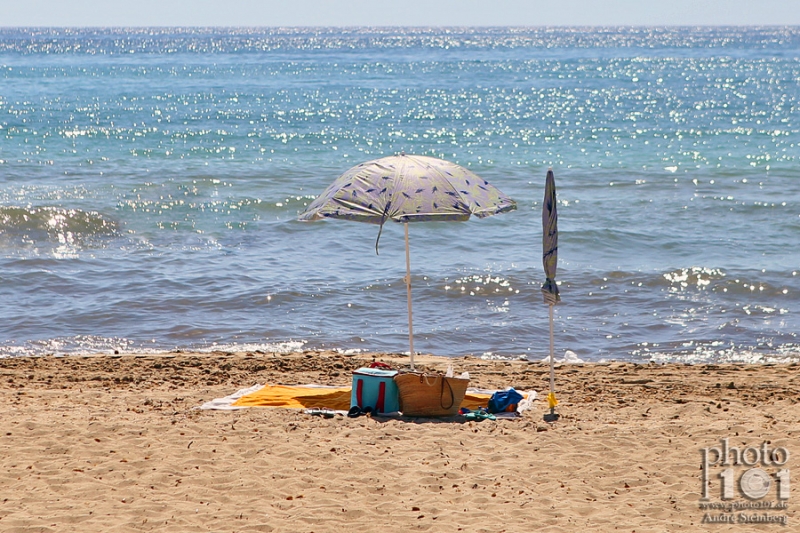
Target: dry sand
116, 443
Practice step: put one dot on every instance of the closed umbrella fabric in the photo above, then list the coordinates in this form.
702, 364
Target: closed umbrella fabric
550, 240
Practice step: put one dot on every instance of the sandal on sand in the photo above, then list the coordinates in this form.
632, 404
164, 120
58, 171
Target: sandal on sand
356, 411
319, 411
480, 415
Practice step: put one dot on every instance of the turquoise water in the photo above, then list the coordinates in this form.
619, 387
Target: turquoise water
150, 181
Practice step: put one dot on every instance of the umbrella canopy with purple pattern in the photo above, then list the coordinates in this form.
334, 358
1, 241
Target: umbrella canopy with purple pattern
408, 188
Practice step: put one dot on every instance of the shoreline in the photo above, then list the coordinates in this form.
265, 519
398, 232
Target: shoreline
105, 442
734, 356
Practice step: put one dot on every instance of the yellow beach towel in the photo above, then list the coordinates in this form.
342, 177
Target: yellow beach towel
297, 397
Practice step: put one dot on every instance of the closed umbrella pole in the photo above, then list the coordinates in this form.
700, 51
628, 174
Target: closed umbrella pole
552, 356
408, 291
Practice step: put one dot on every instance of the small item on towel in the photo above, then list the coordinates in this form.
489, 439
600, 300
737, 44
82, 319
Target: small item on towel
527, 403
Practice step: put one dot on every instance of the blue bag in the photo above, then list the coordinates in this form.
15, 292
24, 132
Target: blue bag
500, 400
375, 388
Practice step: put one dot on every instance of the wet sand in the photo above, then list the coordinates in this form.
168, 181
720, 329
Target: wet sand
117, 443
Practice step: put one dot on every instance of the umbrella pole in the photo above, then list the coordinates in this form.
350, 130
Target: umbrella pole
408, 291
552, 355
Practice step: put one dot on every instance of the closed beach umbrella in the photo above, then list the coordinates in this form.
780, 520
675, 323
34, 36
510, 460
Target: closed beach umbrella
550, 288
550, 240
408, 188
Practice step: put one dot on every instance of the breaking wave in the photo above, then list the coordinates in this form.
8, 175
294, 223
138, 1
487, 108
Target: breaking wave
43, 228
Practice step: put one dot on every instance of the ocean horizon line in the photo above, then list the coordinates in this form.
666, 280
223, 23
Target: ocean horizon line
435, 27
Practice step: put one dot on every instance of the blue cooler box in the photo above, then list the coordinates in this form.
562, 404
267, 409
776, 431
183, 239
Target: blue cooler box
375, 388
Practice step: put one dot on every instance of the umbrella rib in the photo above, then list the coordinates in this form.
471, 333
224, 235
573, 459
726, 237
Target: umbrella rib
380, 229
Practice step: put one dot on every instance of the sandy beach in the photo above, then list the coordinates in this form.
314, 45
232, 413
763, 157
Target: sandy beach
117, 443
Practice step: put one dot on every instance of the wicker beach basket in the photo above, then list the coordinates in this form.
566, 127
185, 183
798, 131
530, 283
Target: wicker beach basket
430, 394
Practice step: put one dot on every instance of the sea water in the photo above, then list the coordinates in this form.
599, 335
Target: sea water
150, 181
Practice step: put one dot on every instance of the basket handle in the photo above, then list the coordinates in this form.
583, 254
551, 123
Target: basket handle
423, 378
441, 395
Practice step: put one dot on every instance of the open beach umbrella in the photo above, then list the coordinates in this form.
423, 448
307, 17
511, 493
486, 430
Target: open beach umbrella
550, 261
408, 188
